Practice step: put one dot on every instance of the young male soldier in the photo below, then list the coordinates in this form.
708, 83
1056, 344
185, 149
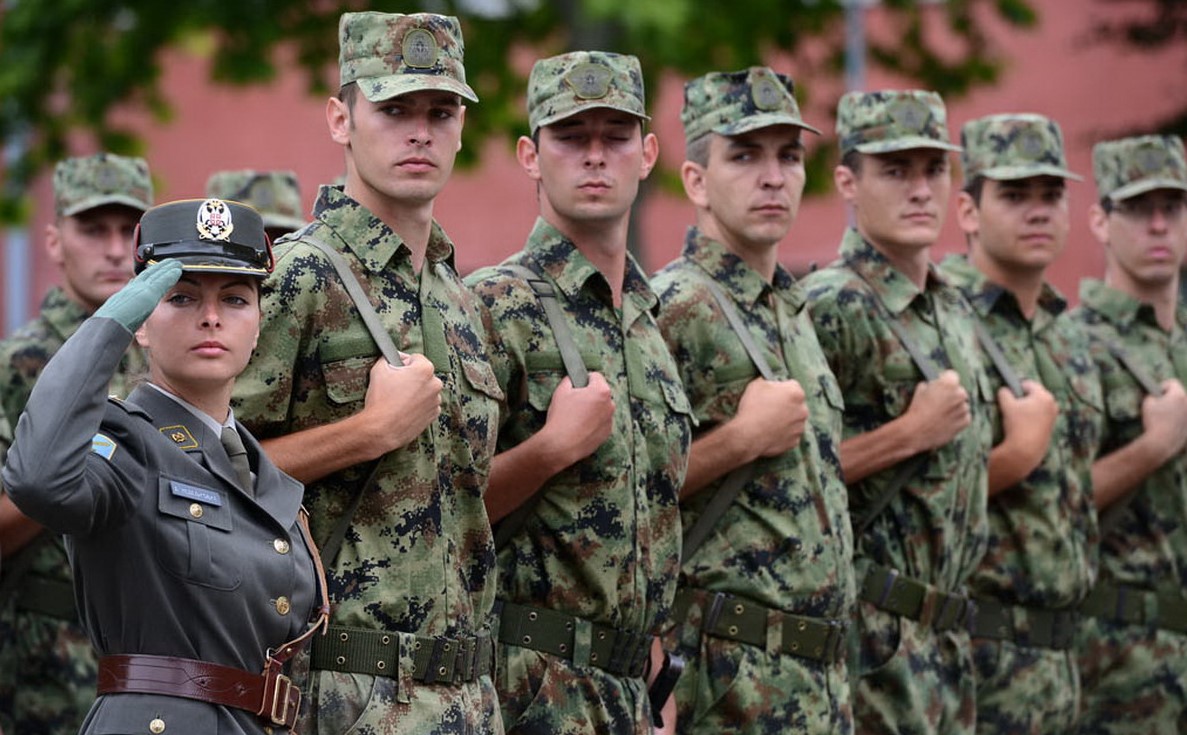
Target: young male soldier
274, 194
1133, 646
47, 667
900, 341
764, 601
408, 649
1041, 558
589, 569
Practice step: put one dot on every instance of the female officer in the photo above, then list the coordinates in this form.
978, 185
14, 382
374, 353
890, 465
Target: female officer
193, 571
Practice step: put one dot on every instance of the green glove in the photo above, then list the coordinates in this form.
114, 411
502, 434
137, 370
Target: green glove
133, 303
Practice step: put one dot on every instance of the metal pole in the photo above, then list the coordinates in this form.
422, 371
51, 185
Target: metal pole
855, 44
18, 269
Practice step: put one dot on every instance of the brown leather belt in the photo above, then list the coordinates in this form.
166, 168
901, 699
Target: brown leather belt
270, 695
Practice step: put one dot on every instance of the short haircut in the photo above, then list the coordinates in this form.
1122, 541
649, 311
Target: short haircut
974, 189
697, 150
851, 160
348, 93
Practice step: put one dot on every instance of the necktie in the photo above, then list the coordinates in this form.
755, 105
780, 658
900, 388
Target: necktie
238, 454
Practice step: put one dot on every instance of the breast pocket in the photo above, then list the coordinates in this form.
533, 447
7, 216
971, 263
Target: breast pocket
194, 528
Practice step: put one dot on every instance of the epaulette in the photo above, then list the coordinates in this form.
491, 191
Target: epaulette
129, 408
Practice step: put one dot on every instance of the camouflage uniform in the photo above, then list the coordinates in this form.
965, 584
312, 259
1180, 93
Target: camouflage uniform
47, 666
414, 575
600, 549
1042, 554
783, 546
1133, 647
913, 671
785, 542
274, 194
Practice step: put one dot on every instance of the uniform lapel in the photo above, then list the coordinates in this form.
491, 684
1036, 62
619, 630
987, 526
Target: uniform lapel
277, 493
188, 433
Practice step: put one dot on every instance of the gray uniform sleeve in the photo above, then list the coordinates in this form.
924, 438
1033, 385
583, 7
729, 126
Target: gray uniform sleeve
52, 473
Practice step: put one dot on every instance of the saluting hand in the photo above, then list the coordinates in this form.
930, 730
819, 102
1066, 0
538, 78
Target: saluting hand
940, 409
401, 401
132, 304
772, 414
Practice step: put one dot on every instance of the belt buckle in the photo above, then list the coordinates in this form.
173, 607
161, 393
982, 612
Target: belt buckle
281, 712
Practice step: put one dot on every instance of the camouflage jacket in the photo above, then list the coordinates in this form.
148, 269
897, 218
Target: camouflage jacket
604, 540
785, 542
1043, 536
935, 528
418, 556
22, 358
1147, 546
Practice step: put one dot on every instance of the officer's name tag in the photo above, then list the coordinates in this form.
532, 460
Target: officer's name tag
191, 492
103, 445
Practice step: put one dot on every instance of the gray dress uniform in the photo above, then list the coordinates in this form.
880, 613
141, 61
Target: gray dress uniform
170, 556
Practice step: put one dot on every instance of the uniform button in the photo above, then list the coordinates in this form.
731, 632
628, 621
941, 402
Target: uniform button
281, 546
282, 605
157, 725
196, 512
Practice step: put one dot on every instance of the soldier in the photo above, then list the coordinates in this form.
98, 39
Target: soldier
274, 194
1041, 558
47, 667
588, 570
765, 598
916, 426
395, 456
1133, 646
191, 558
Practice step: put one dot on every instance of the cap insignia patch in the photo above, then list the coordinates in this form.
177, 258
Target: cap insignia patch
766, 94
419, 49
106, 177
1150, 159
909, 114
214, 220
1030, 144
589, 81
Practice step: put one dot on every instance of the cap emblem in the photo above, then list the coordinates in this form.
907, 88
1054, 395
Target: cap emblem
214, 220
589, 81
1150, 159
419, 49
1030, 144
107, 177
766, 94
910, 114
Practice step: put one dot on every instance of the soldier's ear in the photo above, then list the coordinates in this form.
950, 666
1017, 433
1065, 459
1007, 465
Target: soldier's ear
338, 120
1098, 223
692, 175
846, 182
968, 216
650, 154
528, 157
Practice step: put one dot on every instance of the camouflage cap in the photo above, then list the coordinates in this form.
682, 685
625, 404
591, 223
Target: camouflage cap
562, 86
1013, 146
206, 235
390, 54
274, 194
87, 182
1131, 166
736, 102
892, 120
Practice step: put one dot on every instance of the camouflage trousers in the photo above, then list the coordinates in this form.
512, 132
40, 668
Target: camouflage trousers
911, 680
335, 703
1134, 679
47, 674
734, 687
546, 695
1025, 690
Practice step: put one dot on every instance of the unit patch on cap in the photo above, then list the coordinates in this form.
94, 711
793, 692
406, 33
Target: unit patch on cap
766, 94
1030, 144
589, 81
909, 113
214, 220
419, 49
1151, 158
107, 176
